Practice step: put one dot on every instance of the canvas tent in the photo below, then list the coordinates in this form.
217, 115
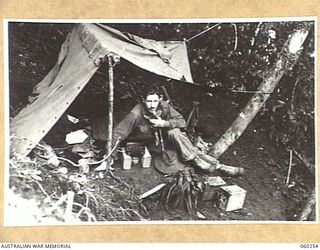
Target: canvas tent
86, 47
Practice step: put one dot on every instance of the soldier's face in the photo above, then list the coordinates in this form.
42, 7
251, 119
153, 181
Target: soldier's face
152, 103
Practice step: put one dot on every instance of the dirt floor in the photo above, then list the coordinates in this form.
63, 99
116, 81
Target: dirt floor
114, 196
267, 196
264, 185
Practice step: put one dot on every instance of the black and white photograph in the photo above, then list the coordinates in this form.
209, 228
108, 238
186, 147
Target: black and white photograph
195, 121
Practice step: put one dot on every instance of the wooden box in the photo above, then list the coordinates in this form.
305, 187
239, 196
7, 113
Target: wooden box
231, 198
211, 188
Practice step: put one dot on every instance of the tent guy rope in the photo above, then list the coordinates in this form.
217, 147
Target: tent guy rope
214, 26
202, 32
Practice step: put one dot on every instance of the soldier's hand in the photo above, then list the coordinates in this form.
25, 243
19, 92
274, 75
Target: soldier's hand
157, 122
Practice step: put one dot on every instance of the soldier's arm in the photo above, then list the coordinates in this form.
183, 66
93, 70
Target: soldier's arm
176, 120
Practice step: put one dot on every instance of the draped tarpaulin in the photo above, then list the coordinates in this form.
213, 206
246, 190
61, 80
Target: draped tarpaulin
81, 55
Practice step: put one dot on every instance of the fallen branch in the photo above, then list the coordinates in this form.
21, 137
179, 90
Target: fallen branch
151, 191
235, 37
42, 189
289, 169
68, 212
293, 94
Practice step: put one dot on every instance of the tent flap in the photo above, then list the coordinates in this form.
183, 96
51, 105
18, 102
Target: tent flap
35, 120
81, 54
165, 58
95, 50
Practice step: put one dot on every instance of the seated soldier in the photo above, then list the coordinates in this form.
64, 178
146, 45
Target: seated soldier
144, 121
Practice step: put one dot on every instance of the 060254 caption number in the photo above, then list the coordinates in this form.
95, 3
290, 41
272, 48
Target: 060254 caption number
308, 246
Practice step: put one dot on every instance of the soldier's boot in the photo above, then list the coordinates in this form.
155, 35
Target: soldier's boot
230, 170
206, 162
210, 164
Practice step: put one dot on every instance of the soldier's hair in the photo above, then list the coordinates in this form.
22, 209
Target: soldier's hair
151, 90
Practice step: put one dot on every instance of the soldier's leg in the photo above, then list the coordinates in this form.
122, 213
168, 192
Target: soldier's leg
189, 152
182, 143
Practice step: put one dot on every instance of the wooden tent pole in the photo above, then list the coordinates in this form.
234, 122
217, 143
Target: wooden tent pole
110, 105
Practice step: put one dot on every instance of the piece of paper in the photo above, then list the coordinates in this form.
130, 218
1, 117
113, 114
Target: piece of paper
75, 137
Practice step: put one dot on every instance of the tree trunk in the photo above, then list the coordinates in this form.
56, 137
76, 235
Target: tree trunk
286, 60
308, 207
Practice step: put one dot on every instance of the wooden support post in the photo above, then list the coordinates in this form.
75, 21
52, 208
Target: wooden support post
110, 105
